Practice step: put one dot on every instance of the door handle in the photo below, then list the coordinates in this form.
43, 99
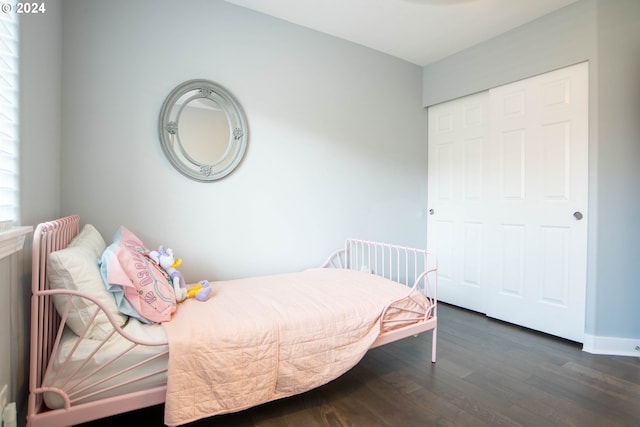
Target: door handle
431, 211
578, 215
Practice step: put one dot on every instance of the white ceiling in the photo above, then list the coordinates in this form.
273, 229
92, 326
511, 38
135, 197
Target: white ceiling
418, 31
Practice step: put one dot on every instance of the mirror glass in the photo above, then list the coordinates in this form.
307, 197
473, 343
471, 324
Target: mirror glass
203, 130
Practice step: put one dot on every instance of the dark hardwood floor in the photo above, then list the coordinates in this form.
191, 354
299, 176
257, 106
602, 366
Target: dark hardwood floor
488, 373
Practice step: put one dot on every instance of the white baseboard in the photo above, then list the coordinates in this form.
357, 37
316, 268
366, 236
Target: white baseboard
611, 346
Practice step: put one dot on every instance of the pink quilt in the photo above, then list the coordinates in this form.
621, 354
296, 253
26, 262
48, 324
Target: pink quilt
260, 339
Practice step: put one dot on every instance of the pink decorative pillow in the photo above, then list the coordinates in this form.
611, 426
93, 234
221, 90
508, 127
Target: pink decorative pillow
128, 271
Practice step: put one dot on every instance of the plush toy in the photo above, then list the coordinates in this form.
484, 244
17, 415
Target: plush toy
200, 291
166, 260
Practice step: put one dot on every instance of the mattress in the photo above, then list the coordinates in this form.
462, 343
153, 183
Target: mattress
86, 374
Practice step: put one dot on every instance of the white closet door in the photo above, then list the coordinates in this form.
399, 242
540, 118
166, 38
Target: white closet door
509, 220
539, 140
457, 196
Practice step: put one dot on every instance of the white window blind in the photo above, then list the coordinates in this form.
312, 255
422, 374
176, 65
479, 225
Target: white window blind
9, 117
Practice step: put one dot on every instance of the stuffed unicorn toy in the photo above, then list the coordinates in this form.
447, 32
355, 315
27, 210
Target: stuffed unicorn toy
165, 259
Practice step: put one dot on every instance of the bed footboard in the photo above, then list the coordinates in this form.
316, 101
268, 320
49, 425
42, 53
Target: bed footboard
64, 364
415, 268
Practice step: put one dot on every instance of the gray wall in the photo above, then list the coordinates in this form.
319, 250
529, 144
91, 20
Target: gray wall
617, 148
607, 34
40, 97
335, 149
40, 117
337, 143
562, 38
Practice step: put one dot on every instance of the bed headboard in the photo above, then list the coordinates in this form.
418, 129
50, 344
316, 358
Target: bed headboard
47, 237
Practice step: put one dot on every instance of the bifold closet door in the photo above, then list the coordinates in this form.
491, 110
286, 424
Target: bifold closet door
515, 247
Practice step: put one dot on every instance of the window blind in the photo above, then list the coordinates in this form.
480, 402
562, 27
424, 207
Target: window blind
9, 117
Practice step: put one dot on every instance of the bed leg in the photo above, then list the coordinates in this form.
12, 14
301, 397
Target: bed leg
433, 345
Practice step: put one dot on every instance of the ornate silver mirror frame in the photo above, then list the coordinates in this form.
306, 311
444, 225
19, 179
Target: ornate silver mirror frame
203, 130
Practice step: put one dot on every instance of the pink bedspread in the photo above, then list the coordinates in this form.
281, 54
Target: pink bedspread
260, 339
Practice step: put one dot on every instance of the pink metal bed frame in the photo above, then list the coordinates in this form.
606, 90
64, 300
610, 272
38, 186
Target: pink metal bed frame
415, 268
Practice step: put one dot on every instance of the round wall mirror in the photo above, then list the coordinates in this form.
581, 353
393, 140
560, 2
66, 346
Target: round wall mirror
203, 130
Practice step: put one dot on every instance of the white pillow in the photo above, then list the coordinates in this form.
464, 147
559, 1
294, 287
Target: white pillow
76, 268
89, 238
